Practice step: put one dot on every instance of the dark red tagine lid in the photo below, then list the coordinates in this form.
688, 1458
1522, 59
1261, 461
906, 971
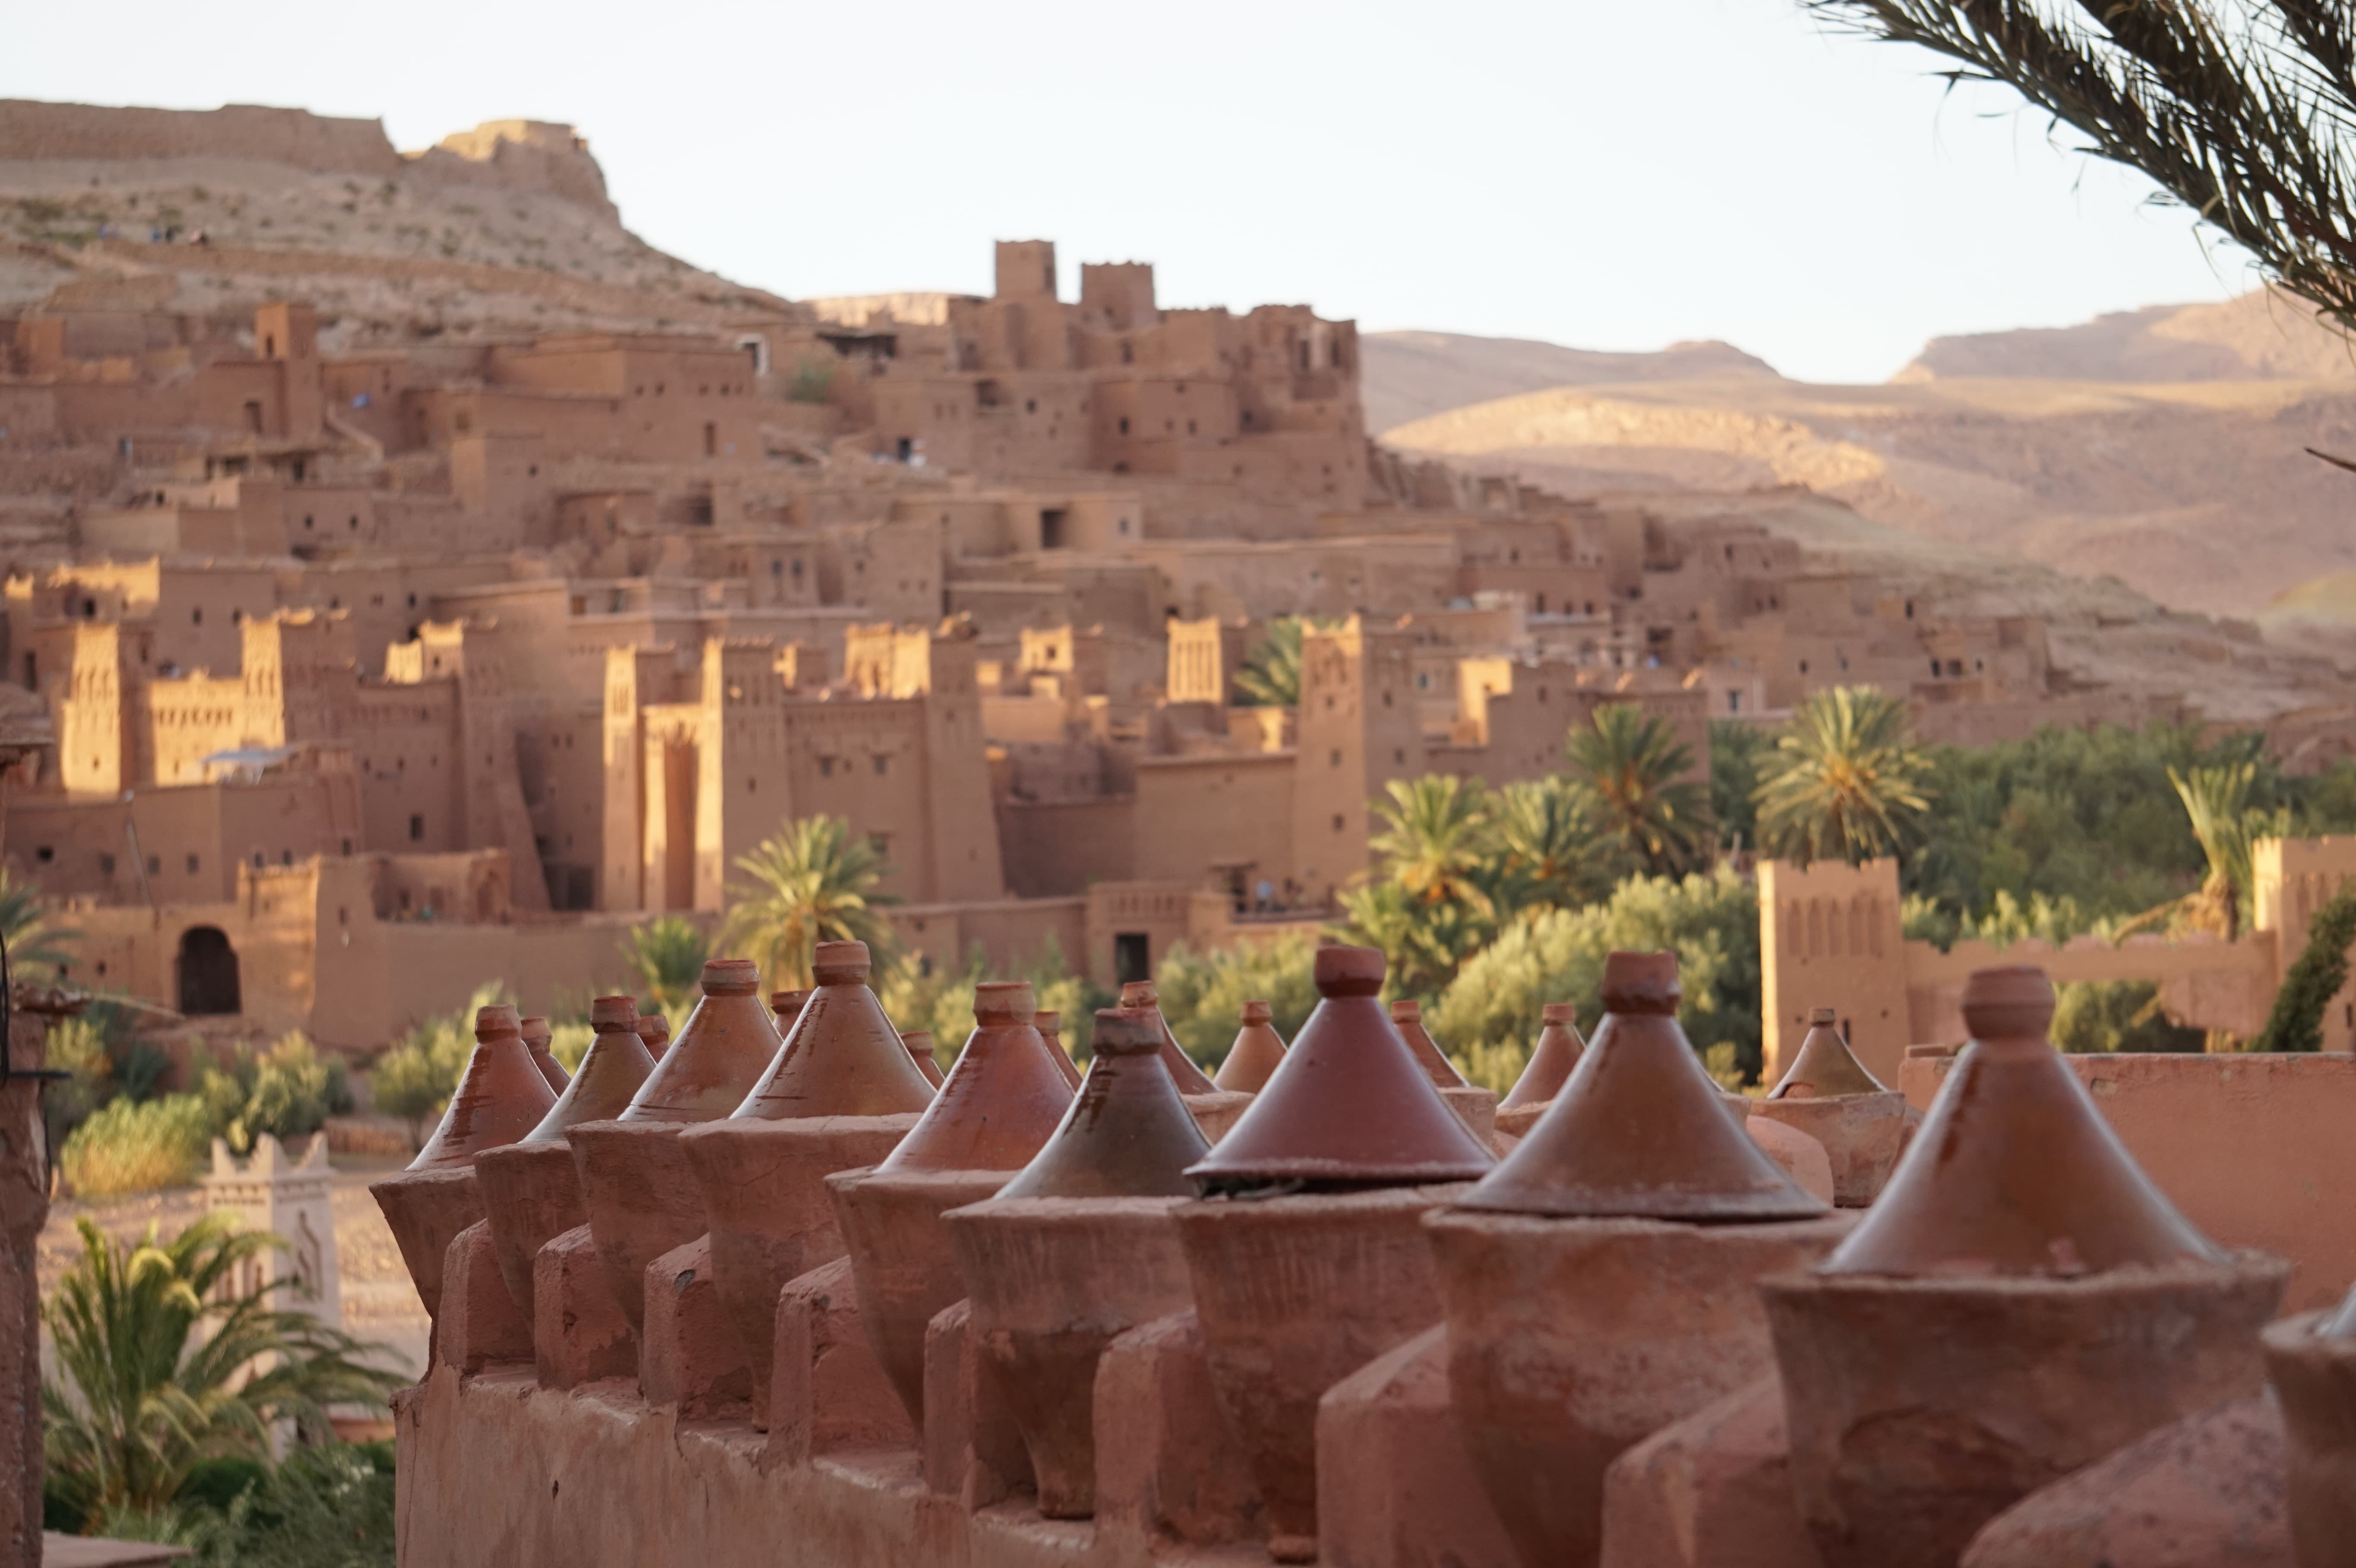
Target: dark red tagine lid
1407, 1017
786, 1007
919, 1042
1349, 1106
1640, 1131
1254, 1055
537, 1032
655, 1030
1825, 1066
615, 1064
2014, 1171
1128, 1134
1000, 1100
499, 1098
1549, 1066
843, 1057
723, 1048
1050, 1025
1189, 1078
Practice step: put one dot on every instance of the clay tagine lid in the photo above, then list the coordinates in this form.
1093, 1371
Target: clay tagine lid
1349, 1105
786, 1007
1825, 1067
1001, 1099
617, 1063
1407, 1017
654, 1029
537, 1032
1256, 1055
1640, 1131
499, 1098
1549, 1066
919, 1042
1050, 1025
1128, 1134
2014, 1171
722, 1050
1182, 1071
843, 1057
2342, 1323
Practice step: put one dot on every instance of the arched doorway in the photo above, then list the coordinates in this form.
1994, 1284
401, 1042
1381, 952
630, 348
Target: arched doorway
208, 973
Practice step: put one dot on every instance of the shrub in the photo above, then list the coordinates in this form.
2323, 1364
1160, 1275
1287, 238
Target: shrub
2101, 1016
941, 1001
136, 1145
286, 1091
569, 1043
415, 1078
1203, 995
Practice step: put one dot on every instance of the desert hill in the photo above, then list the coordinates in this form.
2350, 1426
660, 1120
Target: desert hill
2264, 335
1412, 375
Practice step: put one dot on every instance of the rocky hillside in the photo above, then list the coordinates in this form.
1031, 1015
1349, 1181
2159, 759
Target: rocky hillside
1413, 375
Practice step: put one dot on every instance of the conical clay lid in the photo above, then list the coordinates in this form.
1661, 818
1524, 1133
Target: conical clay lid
1549, 1066
1001, 1099
843, 1057
786, 1007
1640, 1131
1050, 1025
499, 1098
722, 1050
1128, 1134
1349, 1105
1189, 1078
1407, 1017
617, 1063
654, 1029
1825, 1066
2342, 1323
2014, 1171
537, 1032
919, 1042
1257, 1051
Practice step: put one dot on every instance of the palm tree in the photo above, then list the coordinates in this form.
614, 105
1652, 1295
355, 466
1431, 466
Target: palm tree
1644, 796
666, 957
36, 948
1549, 851
1270, 676
1846, 780
1435, 839
813, 882
2217, 800
165, 1363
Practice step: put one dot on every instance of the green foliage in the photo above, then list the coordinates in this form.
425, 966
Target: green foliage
569, 1043
36, 950
1203, 995
1488, 1015
1271, 675
666, 958
813, 882
137, 1145
1846, 780
2117, 1015
161, 1362
812, 382
2315, 977
415, 1079
916, 994
286, 1090
2217, 807
1738, 755
1550, 850
1638, 771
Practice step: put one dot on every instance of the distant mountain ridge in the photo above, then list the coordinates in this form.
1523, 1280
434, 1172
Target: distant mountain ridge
1410, 375
2264, 335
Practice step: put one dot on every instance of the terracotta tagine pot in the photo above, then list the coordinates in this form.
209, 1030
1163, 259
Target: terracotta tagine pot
844, 1058
1600, 1284
1079, 1248
642, 1197
532, 1194
654, 1029
2020, 1301
919, 1042
1189, 1078
1548, 1068
537, 1032
1050, 1025
1407, 1017
1255, 1054
2311, 1361
1829, 1095
997, 1107
499, 1097
786, 1007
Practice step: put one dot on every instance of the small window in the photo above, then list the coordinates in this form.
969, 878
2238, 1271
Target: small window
416, 827
882, 765
1337, 822
1124, 424
348, 846
286, 857
826, 767
155, 865
197, 616
45, 854
193, 863
106, 865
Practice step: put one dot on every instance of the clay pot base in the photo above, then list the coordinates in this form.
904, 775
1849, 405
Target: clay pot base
902, 1260
425, 1209
1920, 1409
2314, 1377
1862, 1134
642, 1200
531, 1195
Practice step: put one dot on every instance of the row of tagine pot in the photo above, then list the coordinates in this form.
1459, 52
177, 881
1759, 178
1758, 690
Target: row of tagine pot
1660, 1324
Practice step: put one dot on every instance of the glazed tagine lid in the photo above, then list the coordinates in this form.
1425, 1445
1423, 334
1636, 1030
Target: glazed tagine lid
1548, 1068
1640, 1131
1349, 1106
1182, 1072
1407, 1017
499, 1098
1000, 1100
655, 1030
617, 1063
1050, 1025
2342, 1323
1128, 1134
919, 1042
1256, 1055
537, 1032
1825, 1066
2014, 1171
843, 1057
786, 1007
722, 1050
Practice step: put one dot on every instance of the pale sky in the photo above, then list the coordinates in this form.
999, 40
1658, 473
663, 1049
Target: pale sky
1606, 174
